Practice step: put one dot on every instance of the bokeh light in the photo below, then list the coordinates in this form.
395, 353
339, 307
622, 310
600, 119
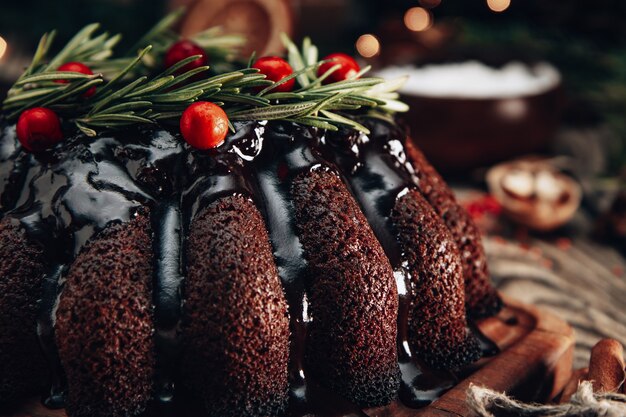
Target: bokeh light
498, 5
3, 47
417, 19
368, 45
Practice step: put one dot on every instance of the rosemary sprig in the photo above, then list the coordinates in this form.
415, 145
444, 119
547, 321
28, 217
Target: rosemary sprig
222, 48
130, 95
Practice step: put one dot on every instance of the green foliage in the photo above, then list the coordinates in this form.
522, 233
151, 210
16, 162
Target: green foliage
128, 93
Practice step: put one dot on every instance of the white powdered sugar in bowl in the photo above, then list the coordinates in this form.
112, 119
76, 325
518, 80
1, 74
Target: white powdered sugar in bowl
475, 80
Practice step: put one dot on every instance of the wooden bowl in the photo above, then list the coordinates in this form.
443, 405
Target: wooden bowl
260, 21
535, 213
458, 134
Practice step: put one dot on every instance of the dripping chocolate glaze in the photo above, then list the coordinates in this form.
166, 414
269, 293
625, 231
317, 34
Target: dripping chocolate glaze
286, 152
59, 197
378, 172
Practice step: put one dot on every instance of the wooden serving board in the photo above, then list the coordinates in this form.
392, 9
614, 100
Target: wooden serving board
534, 364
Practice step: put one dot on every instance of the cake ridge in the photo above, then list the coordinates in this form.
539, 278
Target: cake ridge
21, 363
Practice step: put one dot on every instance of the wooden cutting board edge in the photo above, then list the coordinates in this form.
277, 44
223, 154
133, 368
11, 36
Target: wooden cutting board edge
534, 365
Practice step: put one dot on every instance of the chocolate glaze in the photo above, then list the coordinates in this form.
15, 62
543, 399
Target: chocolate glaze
275, 167
283, 152
45, 331
14, 165
167, 243
378, 172
64, 196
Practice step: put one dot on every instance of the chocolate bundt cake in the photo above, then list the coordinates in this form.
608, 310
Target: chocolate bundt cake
290, 257
285, 251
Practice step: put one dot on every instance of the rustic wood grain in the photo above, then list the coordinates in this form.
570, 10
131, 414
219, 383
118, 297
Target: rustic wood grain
580, 280
534, 366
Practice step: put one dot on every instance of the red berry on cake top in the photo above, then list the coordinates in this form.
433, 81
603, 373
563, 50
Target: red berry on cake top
276, 69
38, 128
80, 68
204, 125
348, 67
184, 49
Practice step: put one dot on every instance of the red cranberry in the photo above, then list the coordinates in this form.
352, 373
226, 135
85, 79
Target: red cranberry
80, 68
38, 128
204, 125
275, 69
184, 49
348, 67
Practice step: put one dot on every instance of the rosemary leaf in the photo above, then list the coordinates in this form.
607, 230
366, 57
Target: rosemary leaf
131, 105
284, 111
154, 85
187, 75
168, 115
87, 131
72, 45
337, 118
327, 101
215, 81
174, 97
243, 98
52, 76
248, 70
295, 59
116, 95
42, 50
389, 86
28, 95
361, 73
171, 70
287, 78
209, 92
118, 78
73, 90
349, 84
284, 96
315, 122
257, 83
105, 118
395, 106
251, 59
319, 80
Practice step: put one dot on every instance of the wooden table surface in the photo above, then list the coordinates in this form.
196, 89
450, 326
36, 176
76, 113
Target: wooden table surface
583, 281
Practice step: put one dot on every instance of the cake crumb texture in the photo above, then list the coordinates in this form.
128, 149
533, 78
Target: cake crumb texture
104, 327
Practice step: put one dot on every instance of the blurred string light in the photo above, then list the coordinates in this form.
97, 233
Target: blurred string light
3, 47
368, 45
418, 19
430, 4
498, 5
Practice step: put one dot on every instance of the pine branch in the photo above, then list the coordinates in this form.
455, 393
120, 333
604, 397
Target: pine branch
131, 96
